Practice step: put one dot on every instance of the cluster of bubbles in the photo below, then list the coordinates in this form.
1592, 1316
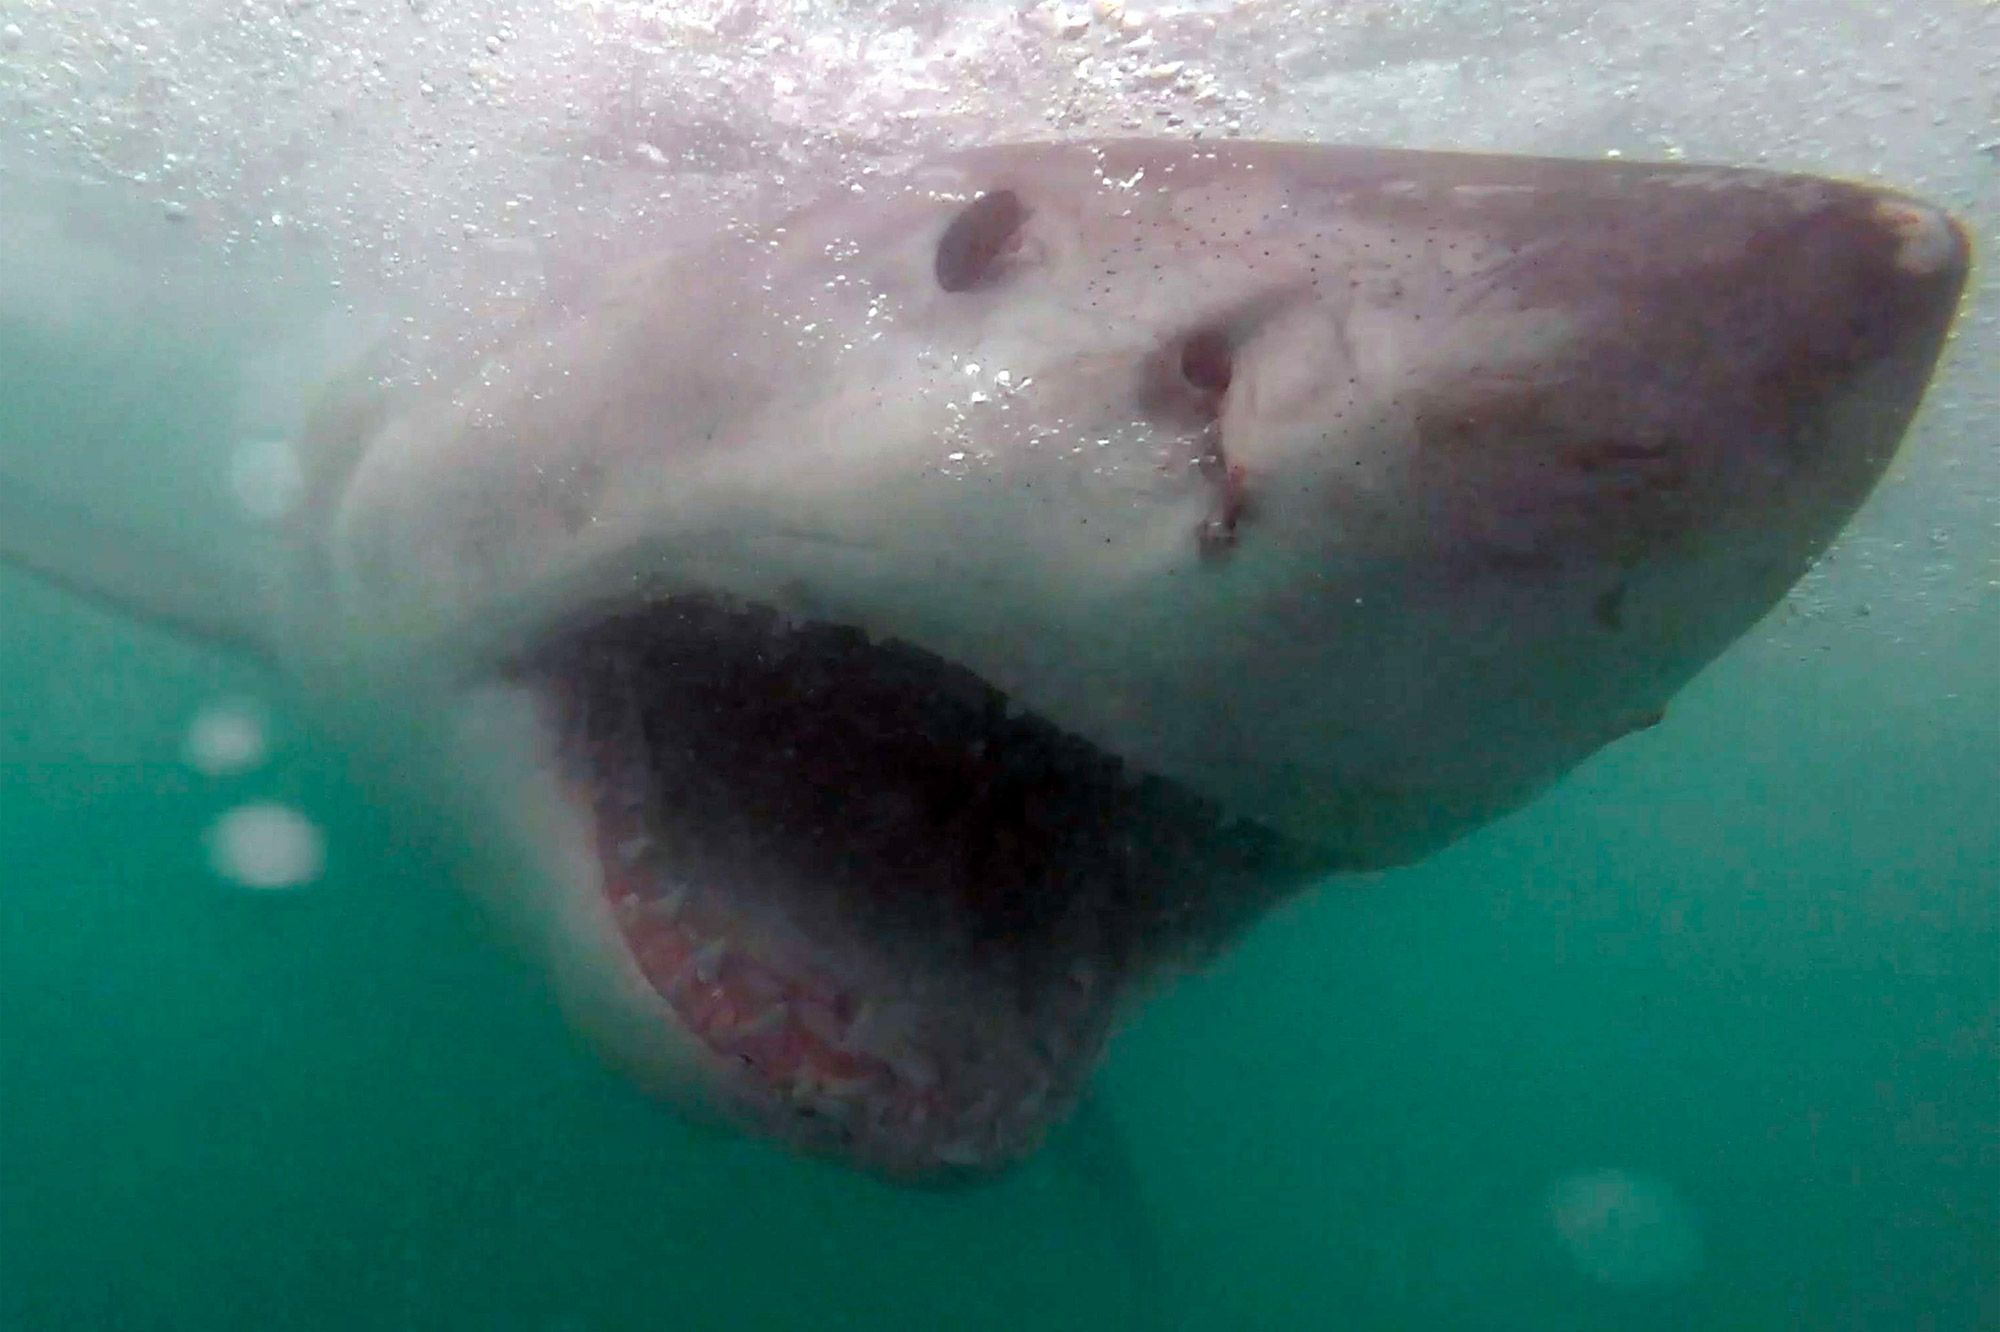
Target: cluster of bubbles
469, 146
438, 128
258, 844
406, 130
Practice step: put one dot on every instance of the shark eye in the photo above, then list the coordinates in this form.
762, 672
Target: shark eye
1206, 361
976, 239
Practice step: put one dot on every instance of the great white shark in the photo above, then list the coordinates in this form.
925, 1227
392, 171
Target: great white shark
878, 648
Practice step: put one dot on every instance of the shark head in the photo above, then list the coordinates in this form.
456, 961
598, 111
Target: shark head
894, 638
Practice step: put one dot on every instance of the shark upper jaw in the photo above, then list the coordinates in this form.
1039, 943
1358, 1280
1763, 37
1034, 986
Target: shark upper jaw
841, 893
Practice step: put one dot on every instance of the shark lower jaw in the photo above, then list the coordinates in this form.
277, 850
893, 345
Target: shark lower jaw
825, 1043
886, 916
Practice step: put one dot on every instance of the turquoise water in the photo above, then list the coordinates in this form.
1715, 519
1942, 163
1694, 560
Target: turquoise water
1745, 962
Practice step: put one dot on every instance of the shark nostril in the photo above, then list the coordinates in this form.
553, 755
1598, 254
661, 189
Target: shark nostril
1207, 361
977, 239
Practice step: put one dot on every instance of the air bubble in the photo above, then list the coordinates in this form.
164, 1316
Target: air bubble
267, 846
226, 738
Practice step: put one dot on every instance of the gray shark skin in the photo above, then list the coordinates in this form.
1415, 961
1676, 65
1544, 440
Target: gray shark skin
878, 648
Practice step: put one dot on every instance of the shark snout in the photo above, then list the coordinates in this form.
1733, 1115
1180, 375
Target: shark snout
1926, 241
1701, 384
1763, 378
1877, 277
1846, 317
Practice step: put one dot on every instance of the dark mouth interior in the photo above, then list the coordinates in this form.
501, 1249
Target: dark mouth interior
899, 910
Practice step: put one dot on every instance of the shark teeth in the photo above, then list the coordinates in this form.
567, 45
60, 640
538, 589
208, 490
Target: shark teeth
874, 1075
845, 1088
819, 1019
763, 1024
961, 1152
916, 1068
821, 1055
1037, 1096
707, 961
802, 1014
881, 1027
865, 1023
763, 987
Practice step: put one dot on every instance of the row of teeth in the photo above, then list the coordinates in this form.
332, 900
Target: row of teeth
882, 1031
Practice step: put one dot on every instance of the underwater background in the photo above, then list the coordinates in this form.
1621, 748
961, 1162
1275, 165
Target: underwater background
1707, 1037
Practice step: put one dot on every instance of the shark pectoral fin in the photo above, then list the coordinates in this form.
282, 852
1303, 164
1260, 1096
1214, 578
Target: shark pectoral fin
196, 594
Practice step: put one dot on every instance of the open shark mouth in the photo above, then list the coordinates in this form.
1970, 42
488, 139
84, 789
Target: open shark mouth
894, 916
